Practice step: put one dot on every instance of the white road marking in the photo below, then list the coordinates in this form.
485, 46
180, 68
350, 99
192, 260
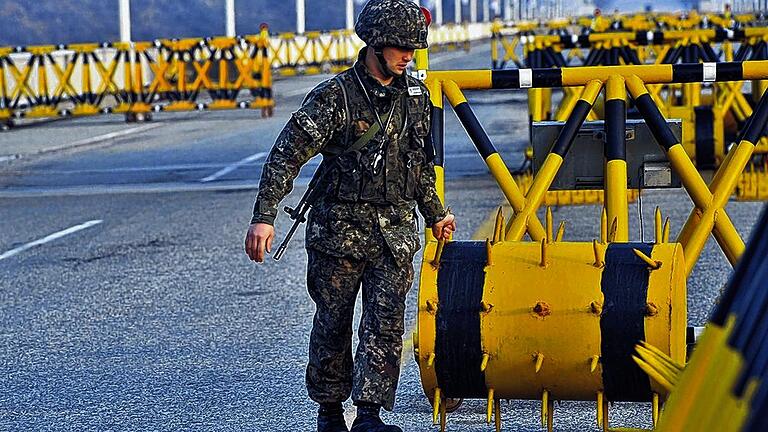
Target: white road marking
129, 169
49, 238
228, 169
100, 138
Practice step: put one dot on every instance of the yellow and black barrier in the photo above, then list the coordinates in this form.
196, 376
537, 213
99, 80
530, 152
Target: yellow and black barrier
135, 78
723, 388
332, 52
574, 334
712, 114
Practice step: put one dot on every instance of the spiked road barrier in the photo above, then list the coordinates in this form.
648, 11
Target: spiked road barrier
573, 336
723, 387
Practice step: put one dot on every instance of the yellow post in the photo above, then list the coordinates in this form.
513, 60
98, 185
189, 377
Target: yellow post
616, 203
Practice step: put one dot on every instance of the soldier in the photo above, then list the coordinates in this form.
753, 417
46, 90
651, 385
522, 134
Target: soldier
371, 124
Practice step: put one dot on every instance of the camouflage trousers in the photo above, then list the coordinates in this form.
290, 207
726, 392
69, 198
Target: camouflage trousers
333, 284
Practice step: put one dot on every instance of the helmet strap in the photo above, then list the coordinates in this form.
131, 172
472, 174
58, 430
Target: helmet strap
383, 68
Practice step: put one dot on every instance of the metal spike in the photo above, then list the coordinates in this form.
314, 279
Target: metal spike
614, 229
604, 226
657, 225
431, 360
539, 358
443, 416
543, 262
653, 265
550, 237
655, 408
488, 248
544, 408
498, 230
435, 405
485, 306
597, 249
551, 416
484, 362
593, 361
560, 232
491, 403
438, 254
665, 236
497, 414
600, 412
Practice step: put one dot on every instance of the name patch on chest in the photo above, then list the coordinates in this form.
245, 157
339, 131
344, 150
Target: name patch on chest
414, 91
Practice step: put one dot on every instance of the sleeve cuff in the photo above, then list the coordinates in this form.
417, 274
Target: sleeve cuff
437, 217
263, 218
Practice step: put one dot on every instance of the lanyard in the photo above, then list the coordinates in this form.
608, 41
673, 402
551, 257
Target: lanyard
373, 108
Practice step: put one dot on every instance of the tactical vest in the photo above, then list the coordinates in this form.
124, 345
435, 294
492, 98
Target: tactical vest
386, 169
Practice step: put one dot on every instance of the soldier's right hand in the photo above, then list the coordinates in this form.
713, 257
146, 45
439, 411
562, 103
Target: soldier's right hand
258, 239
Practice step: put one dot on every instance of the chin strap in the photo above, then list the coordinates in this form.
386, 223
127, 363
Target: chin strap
383, 63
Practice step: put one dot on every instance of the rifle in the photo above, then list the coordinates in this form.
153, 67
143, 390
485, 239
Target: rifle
298, 214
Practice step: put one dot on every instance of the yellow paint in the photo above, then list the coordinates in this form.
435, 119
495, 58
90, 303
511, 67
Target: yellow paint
617, 206
561, 340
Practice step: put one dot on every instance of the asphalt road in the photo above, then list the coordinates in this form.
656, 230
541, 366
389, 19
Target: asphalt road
126, 302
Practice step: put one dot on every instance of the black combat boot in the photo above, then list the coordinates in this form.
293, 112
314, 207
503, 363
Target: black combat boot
368, 420
330, 418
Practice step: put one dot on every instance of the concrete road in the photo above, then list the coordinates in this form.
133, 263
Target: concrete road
126, 302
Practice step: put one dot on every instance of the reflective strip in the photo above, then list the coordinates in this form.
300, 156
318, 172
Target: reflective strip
526, 78
649, 36
729, 33
574, 39
710, 72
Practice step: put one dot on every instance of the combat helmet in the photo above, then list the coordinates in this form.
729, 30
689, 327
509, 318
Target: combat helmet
398, 23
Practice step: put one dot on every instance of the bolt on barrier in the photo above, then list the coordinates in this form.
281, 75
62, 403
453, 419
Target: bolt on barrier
575, 332
135, 78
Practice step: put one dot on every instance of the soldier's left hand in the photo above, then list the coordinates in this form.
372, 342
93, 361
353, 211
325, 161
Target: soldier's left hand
443, 229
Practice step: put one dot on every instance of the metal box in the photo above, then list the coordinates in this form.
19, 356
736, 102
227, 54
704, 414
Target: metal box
584, 165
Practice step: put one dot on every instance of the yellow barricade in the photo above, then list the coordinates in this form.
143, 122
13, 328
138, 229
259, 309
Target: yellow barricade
135, 78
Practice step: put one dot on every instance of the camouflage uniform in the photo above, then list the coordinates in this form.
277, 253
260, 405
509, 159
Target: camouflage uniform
363, 230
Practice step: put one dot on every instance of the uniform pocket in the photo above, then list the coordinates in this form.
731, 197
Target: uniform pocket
414, 159
350, 177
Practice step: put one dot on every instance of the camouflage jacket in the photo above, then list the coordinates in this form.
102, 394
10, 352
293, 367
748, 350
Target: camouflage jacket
327, 120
